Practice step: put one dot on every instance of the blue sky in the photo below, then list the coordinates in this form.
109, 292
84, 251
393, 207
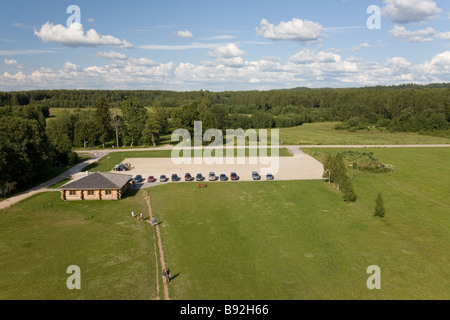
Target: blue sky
222, 45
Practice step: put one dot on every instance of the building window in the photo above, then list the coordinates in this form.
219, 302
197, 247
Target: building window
72, 193
108, 192
90, 193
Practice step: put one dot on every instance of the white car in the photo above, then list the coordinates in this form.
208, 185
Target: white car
212, 176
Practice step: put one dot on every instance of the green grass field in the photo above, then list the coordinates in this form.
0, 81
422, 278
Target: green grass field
249, 240
323, 134
43, 235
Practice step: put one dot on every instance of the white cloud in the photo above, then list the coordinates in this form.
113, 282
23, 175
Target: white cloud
112, 55
185, 34
229, 50
423, 35
296, 30
228, 55
404, 11
230, 71
360, 46
306, 56
69, 66
74, 36
13, 63
443, 35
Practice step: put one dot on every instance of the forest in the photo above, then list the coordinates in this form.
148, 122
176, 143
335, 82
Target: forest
30, 139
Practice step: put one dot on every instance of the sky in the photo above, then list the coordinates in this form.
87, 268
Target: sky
222, 45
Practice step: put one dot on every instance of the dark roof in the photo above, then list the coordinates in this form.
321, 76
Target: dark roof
99, 180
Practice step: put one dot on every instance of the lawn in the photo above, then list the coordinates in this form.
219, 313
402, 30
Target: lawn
42, 236
324, 134
299, 240
281, 240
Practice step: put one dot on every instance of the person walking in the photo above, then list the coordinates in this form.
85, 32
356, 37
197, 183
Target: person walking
153, 221
132, 214
168, 276
164, 275
142, 217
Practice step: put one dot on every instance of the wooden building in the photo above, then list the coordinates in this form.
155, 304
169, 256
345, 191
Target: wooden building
97, 186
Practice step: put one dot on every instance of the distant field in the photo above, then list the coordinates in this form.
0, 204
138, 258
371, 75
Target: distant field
323, 134
249, 240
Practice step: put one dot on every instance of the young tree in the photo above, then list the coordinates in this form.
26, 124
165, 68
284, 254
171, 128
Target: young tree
379, 206
347, 190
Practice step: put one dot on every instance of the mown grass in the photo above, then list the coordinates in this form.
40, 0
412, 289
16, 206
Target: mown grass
299, 240
281, 240
324, 134
42, 236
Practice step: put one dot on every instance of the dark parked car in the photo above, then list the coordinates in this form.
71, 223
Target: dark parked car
223, 177
200, 177
175, 177
138, 178
151, 179
213, 177
270, 176
121, 167
234, 176
256, 176
163, 178
188, 177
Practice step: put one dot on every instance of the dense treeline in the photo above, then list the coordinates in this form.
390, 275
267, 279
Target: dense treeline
399, 108
26, 153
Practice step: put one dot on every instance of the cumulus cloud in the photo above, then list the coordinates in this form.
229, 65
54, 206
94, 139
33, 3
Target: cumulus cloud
185, 34
308, 56
112, 55
424, 35
404, 11
228, 55
296, 30
13, 63
74, 36
443, 35
306, 68
229, 50
359, 47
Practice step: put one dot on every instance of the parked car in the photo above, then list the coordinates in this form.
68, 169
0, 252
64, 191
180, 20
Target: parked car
270, 176
223, 177
188, 177
151, 179
212, 176
234, 176
256, 176
175, 177
163, 178
199, 177
121, 167
138, 178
